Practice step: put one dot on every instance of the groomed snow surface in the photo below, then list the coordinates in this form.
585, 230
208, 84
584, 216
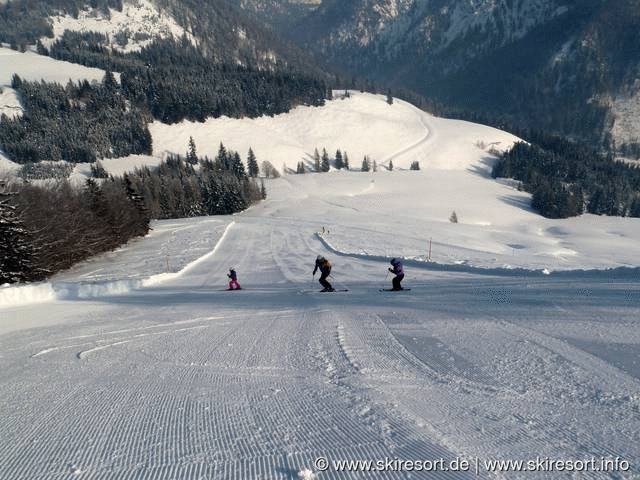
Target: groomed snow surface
509, 346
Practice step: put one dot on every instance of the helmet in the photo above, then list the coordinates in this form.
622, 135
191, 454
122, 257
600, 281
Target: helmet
231, 268
394, 261
320, 258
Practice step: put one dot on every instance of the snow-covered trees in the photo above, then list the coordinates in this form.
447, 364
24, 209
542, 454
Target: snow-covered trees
178, 189
15, 248
566, 178
323, 163
174, 81
76, 123
252, 164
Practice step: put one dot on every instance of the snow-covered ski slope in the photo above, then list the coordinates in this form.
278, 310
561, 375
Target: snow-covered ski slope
146, 368
138, 365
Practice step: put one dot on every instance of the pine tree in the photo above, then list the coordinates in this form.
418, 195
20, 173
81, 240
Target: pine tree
325, 167
389, 97
316, 160
237, 167
109, 81
300, 168
140, 223
252, 164
339, 161
366, 165
390, 165
192, 156
222, 159
346, 161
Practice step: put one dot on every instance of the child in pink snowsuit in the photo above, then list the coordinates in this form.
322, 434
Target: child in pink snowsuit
233, 282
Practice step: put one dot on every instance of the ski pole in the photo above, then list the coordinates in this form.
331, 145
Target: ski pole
335, 281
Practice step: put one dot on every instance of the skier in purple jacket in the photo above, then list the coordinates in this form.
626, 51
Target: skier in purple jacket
398, 271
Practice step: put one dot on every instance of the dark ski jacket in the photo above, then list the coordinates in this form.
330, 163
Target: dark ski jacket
324, 266
397, 267
232, 275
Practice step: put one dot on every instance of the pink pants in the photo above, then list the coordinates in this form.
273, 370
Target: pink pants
234, 285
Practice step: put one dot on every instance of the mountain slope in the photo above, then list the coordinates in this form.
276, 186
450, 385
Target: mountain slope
564, 66
222, 32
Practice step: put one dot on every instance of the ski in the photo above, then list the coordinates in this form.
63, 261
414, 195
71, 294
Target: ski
392, 290
335, 290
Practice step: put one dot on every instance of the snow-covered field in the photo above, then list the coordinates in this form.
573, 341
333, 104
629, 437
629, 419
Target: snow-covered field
509, 345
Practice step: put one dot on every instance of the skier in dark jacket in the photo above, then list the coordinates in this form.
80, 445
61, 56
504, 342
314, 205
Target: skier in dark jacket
398, 271
324, 266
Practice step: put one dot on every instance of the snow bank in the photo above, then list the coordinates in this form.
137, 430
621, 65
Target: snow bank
26, 294
11, 296
78, 291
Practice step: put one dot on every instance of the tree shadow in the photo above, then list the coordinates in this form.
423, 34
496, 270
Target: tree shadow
484, 168
518, 202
